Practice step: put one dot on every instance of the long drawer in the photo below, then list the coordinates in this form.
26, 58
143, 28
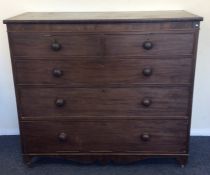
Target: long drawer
144, 101
55, 44
104, 72
145, 136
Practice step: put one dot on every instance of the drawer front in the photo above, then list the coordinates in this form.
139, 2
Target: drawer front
54, 45
144, 101
104, 72
150, 44
147, 136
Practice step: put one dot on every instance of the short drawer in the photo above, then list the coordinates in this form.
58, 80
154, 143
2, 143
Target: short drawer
144, 136
105, 72
54, 45
144, 101
150, 44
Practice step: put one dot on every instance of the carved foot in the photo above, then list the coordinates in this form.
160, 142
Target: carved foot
28, 160
182, 160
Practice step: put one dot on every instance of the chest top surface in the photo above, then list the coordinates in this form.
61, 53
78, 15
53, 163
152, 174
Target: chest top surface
88, 17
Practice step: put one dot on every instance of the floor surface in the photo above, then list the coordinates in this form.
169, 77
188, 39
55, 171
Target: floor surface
11, 163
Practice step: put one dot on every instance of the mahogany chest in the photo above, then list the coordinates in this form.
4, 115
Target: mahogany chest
111, 86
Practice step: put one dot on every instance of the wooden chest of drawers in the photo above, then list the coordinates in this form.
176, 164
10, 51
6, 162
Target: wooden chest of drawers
104, 86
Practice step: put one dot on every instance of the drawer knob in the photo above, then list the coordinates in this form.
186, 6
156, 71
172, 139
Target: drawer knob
56, 46
147, 45
57, 72
59, 102
62, 136
145, 137
147, 71
146, 102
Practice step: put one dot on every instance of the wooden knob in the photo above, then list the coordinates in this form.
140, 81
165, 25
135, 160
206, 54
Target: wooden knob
59, 102
146, 102
145, 137
56, 46
62, 136
57, 72
147, 71
147, 45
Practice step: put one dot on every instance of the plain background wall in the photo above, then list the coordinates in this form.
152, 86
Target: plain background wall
9, 8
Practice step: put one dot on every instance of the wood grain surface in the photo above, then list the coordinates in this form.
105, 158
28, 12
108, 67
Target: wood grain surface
165, 136
137, 16
104, 101
104, 86
39, 45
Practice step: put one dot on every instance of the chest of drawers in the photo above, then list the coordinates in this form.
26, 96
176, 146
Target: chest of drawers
104, 86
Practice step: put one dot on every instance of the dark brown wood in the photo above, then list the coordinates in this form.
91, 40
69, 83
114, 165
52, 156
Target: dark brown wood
105, 136
148, 45
55, 46
104, 86
104, 101
145, 137
84, 72
182, 161
71, 17
196, 35
60, 102
103, 159
147, 71
56, 72
62, 137
146, 102
40, 44
27, 159
162, 44
103, 27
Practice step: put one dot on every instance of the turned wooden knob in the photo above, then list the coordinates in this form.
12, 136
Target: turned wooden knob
59, 102
62, 136
55, 46
147, 71
146, 102
147, 45
57, 72
145, 137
